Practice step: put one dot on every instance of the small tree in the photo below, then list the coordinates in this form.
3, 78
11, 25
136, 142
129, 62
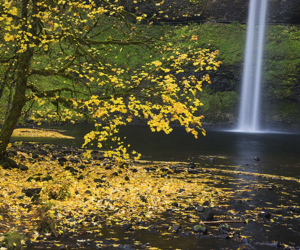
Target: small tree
69, 45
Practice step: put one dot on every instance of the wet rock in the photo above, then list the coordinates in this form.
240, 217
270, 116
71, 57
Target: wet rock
36, 177
82, 167
148, 169
189, 209
87, 191
205, 203
245, 240
193, 171
29, 192
200, 229
174, 204
43, 152
256, 159
124, 165
71, 169
143, 198
224, 236
164, 169
207, 215
273, 244
22, 167
178, 171
199, 209
175, 228
6, 165
22, 158
34, 193
81, 177
127, 227
9, 163
74, 160
224, 229
62, 247
47, 178
126, 247
62, 160
12, 153
294, 209
192, 165
35, 155
265, 215
115, 174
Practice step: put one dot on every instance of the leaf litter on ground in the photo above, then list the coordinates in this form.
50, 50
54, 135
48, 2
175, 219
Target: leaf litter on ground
83, 195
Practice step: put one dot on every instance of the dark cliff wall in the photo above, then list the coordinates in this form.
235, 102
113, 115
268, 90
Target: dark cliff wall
280, 11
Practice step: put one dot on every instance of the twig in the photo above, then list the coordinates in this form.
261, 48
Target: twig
222, 221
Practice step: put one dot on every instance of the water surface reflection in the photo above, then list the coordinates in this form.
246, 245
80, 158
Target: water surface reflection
279, 153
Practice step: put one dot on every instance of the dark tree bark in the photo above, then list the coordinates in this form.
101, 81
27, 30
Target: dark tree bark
18, 102
19, 98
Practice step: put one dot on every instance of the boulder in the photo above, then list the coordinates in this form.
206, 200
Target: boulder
9, 163
200, 229
207, 215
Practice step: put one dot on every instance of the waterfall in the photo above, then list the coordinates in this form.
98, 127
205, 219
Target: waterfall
251, 85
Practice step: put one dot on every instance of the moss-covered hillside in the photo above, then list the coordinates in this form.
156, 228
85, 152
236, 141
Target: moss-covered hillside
281, 71
281, 77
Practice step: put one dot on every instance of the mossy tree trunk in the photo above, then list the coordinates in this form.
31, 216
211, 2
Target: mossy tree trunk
18, 102
19, 98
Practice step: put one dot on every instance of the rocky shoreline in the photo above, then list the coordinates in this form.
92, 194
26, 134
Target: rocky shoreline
107, 201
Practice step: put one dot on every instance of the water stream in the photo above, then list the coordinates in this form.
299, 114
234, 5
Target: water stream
251, 85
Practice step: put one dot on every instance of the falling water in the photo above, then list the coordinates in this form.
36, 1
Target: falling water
250, 97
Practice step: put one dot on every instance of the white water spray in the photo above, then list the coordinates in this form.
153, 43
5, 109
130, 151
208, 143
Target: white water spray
251, 86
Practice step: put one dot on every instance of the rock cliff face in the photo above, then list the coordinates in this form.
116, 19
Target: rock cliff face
280, 11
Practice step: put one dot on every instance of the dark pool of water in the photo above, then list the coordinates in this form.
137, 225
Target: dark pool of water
279, 153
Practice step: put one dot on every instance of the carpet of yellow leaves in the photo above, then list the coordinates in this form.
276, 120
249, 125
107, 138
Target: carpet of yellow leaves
30, 132
95, 194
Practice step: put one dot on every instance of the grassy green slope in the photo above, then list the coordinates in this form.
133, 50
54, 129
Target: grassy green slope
281, 69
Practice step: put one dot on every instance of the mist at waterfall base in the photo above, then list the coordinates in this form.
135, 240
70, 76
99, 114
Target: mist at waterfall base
249, 112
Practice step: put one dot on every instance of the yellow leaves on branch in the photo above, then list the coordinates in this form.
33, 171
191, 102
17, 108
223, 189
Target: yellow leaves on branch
67, 43
168, 100
52, 19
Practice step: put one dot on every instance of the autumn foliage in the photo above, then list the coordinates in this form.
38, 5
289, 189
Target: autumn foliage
71, 43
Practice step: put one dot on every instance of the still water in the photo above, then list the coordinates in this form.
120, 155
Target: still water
279, 153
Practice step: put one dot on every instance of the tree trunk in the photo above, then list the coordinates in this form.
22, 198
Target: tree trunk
18, 102
19, 98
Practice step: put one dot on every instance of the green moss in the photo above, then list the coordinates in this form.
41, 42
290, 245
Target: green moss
14, 240
281, 61
219, 106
